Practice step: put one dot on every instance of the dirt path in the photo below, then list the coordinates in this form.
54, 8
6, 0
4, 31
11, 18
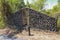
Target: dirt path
39, 35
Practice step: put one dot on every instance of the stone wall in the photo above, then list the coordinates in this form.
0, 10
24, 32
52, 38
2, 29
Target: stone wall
41, 21
37, 20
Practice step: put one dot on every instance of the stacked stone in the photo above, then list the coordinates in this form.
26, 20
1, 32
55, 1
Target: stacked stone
41, 21
37, 20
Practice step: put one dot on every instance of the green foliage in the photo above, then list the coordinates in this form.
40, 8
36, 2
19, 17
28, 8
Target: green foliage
28, 5
15, 4
37, 4
58, 23
58, 2
2, 24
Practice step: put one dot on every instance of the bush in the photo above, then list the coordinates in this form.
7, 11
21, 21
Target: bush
2, 24
58, 23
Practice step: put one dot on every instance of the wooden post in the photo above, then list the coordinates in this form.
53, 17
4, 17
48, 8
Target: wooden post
28, 26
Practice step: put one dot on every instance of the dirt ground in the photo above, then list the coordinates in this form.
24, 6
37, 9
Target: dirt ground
36, 35
39, 35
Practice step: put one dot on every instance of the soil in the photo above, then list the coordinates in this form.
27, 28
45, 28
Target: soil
35, 35
39, 35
